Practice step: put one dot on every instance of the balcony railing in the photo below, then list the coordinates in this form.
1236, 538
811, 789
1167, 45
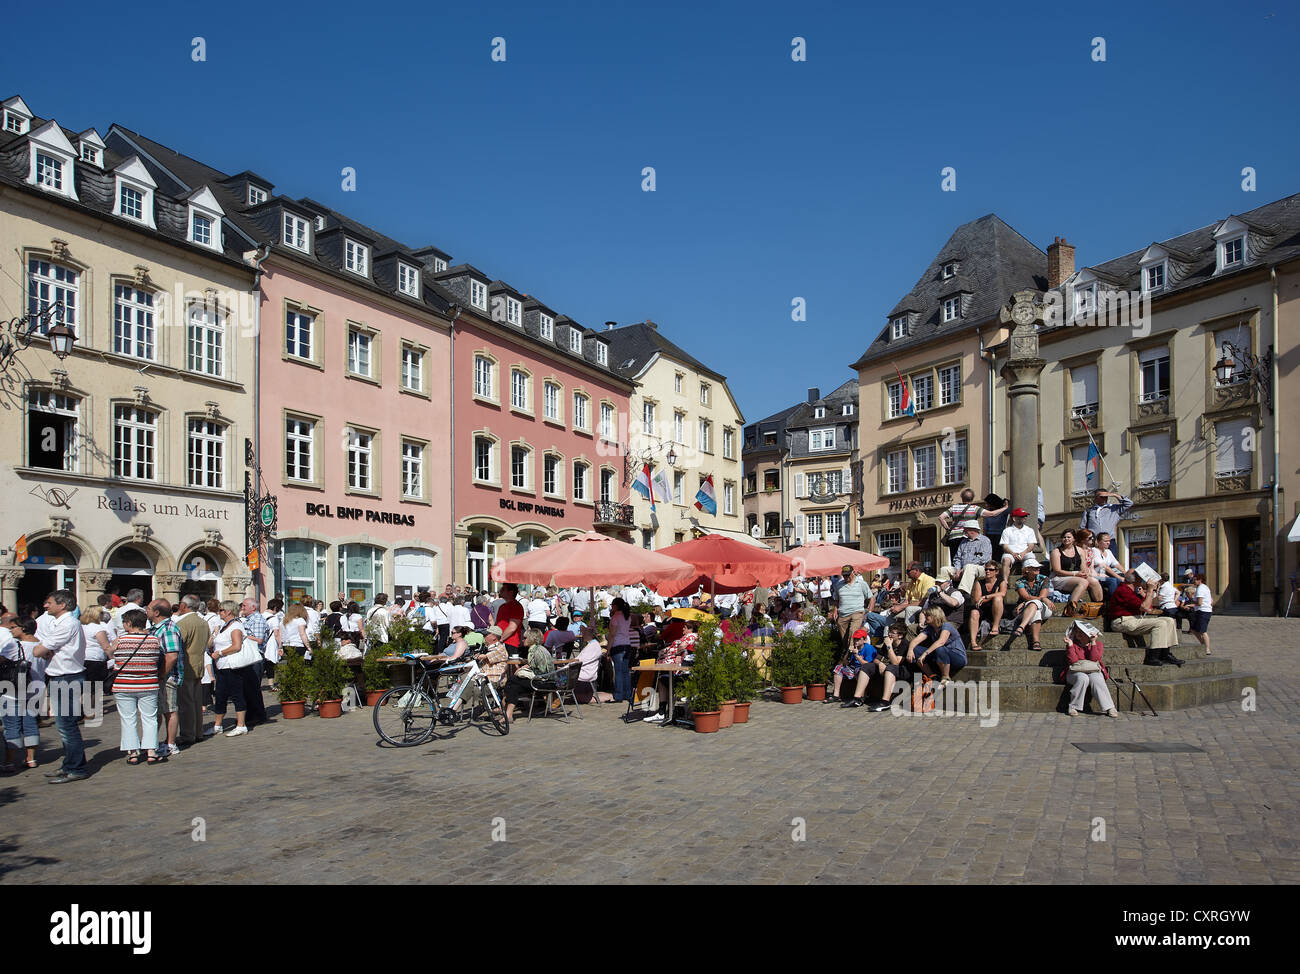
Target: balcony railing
608, 512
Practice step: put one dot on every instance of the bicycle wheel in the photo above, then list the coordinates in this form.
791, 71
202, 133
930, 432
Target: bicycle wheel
493, 709
404, 716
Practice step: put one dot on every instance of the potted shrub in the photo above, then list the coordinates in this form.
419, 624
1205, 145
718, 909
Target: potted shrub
745, 682
786, 666
818, 657
403, 637
378, 677
329, 675
704, 686
294, 681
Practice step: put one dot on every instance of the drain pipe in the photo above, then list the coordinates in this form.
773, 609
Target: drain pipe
1278, 525
264, 251
451, 423
989, 356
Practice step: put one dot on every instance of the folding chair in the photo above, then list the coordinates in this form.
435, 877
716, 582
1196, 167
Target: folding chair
559, 684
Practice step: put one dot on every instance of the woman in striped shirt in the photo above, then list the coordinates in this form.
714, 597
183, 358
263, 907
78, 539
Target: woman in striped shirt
139, 659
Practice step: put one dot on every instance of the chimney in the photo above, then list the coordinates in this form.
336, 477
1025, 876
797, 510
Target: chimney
1060, 262
652, 324
609, 325
814, 394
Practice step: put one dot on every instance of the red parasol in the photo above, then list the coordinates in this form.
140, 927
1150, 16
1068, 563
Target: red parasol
726, 565
592, 559
827, 558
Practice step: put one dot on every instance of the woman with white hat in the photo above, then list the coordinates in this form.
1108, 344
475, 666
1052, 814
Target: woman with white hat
1084, 669
1035, 605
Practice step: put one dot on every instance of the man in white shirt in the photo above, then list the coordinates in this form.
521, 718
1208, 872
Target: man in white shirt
458, 614
313, 619
1018, 541
438, 612
728, 603
1109, 571
134, 600
377, 618
581, 600
62, 643
537, 610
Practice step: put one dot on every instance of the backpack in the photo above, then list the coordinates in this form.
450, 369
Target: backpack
334, 622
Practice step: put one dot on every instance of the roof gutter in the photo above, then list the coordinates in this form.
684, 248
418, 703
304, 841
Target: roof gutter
1279, 520
451, 424
259, 258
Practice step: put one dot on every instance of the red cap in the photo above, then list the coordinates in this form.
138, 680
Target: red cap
1020, 512
861, 634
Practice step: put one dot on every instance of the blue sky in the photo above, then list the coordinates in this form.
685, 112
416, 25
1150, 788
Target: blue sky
774, 179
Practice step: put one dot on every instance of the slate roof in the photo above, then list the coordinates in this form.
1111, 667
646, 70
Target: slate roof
1273, 238
632, 346
776, 422
801, 415
993, 262
96, 191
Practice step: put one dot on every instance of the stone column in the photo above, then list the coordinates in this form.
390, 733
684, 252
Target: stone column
10, 577
167, 585
91, 585
1021, 374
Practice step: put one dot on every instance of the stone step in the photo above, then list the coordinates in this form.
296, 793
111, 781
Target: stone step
1165, 695
1216, 666
1114, 656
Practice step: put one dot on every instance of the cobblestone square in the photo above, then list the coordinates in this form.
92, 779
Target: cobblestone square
801, 794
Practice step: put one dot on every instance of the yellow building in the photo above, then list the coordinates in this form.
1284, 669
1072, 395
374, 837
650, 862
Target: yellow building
126, 457
684, 408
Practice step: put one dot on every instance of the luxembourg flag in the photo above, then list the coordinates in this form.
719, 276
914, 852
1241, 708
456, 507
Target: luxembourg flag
1093, 463
642, 483
704, 500
905, 406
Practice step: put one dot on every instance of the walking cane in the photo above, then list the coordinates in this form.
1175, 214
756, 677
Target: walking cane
1133, 694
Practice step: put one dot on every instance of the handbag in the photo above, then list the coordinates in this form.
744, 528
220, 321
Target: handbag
11, 668
112, 676
1085, 666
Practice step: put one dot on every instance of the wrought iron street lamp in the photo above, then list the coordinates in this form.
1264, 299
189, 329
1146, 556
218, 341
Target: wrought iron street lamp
18, 333
1259, 371
787, 529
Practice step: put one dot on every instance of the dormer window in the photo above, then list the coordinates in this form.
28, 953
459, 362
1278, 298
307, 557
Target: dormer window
205, 219
16, 122
90, 153
575, 340
602, 353
51, 165
846, 409
134, 198
49, 172
1085, 299
356, 257
546, 327
478, 295
256, 195
1232, 252
320, 223
295, 233
514, 312
1153, 278
949, 269
898, 328
951, 308
439, 265
408, 279
819, 412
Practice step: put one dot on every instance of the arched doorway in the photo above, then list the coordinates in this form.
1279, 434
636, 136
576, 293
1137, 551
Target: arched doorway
202, 568
412, 572
49, 566
481, 552
130, 568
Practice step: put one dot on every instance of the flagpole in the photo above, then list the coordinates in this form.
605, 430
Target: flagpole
1101, 456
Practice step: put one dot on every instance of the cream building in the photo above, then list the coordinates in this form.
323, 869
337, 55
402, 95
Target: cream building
683, 407
1132, 360
822, 440
126, 458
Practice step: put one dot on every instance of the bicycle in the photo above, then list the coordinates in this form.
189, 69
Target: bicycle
408, 715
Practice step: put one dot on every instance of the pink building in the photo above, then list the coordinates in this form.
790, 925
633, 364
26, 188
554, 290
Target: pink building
540, 423
355, 348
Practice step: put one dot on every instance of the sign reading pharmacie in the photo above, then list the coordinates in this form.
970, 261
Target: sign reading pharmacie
921, 501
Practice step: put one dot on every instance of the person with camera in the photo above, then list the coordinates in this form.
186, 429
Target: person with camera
23, 677
888, 662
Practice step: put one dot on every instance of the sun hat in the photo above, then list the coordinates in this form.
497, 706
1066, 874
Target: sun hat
969, 524
493, 631
1030, 562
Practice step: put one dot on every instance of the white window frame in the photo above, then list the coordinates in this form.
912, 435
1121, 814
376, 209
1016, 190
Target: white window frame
728, 498
930, 465
205, 452
292, 228
299, 440
824, 438
1085, 299
361, 342
485, 378
135, 443
412, 368
205, 339
552, 399
894, 393
953, 464
553, 475
412, 469
608, 416
356, 257
546, 327
121, 185
706, 393
648, 417
1163, 268
581, 470
135, 330
360, 460
16, 122
514, 312
1223, 246
408, 279
898, 328
53, 171
951, 309
575, 341
728, 443
677, 382
679, 427
66, 409
478, 294
602, 353
582, 412
294, 318
492, 465
256, 195
524, 482
819, 412
705, 436
952, 398
1144, 394
923, 400
520, 392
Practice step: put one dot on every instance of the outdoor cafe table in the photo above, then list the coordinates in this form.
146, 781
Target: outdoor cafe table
672, 669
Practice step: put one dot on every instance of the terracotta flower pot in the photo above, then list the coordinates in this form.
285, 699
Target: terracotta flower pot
817, 691
707, 722
792, 694
372, 697
292, 709
742, 713
728, 714
330, 708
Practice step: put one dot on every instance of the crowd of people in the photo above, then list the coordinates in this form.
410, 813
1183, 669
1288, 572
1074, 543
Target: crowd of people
175, 671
